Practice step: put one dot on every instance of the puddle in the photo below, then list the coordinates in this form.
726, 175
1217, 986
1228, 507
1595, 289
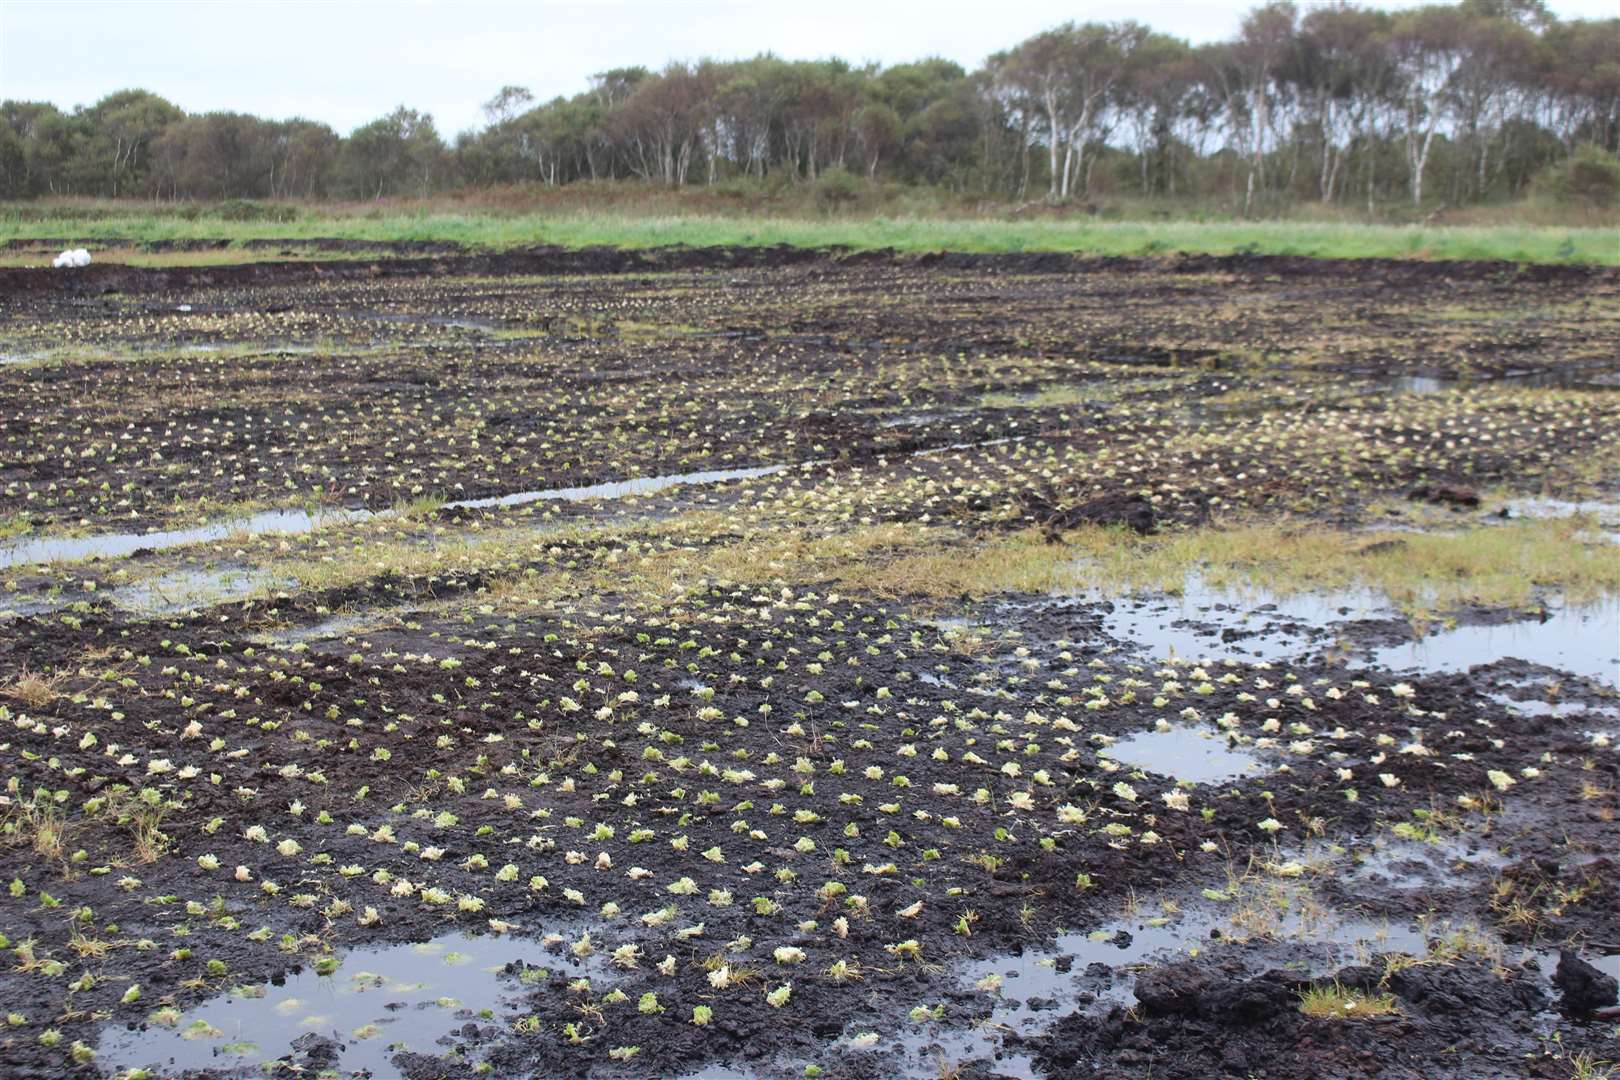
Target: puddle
379, 1001
1026, 992
1607, 514
1547, 962
458, 322
1570, 378
18, 608
1419, 384
929, 1055
954, 447
1543, 707
120, 545
1405, 865
1581, 641
183, 590
618, 489
1609, 964
1208, 624
922, 419
335, 627
1205, 623
1184, 753
1039, 987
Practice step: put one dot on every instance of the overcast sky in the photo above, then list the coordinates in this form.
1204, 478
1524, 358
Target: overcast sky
349, 61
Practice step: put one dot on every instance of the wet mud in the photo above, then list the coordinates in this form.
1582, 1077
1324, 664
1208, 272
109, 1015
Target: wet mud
450, 672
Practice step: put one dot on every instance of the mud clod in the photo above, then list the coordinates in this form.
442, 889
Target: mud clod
1130, 511
1453, 495
1585, 988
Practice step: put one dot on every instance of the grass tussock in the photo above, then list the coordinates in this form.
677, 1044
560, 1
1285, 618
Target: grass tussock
1497, 565
38, 824
34, 689
936, 570
1588, 1066
789, 555
382, 557
1339, 1002
1505, 565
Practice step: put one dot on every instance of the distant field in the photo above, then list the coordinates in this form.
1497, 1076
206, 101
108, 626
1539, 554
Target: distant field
1515, 243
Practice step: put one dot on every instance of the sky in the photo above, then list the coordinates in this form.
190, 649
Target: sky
347, 62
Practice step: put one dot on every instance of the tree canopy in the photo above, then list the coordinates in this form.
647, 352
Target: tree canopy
1452, 103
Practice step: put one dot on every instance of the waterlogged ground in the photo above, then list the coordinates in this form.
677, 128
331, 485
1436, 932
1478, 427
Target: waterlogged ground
761, 663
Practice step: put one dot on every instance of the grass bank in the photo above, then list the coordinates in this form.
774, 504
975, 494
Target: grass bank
493, 230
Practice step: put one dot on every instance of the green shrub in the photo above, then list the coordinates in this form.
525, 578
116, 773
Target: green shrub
838, 187
248, 210
1588, 177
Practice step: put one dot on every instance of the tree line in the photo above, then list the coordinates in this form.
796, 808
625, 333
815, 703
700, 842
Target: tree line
1338, 103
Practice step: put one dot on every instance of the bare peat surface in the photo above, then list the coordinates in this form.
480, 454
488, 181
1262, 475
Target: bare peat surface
776, 663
